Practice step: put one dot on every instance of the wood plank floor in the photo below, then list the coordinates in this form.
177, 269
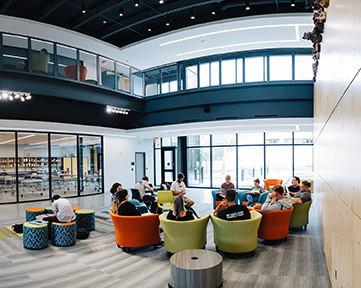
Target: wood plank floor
98, 262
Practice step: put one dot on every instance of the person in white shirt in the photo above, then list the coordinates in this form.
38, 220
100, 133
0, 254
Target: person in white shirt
276, 200
141, 186
179, 188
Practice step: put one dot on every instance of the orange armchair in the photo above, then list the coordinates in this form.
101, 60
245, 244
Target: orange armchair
274, 224
271, 182
70, 72
136, 231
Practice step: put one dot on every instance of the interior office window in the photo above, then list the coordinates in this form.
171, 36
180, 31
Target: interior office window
279, 162
250, 165
15, 53
240, 70
250, 138
137, 82
198, 140
123, 74
303, 67
7, 168
223, 139
204, 74
107, 73
215, 73
67, 62
191, 76
64, 164
223, 163
198, 173
169, 142
228, 73
90, 165
278, 137
280, 67
42, 56
169, 79
303, 161
33, 168
303, 137
88, 67
152, 82
254, 71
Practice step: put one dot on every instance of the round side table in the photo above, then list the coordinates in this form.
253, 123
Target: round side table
196, 268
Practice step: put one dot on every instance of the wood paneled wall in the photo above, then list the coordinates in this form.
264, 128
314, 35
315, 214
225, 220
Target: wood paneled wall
337, 150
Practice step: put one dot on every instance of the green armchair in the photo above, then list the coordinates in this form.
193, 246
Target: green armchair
182, 235
236, 236
299, 217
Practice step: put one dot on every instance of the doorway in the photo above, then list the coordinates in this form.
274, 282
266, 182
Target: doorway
168, 164
139, 166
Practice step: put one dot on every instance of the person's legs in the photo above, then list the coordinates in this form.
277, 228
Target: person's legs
50, 219
250, 200
188, 201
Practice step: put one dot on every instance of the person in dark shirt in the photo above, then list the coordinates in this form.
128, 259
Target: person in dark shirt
295, 187
122, 206
304, 195
179, 213
233, 210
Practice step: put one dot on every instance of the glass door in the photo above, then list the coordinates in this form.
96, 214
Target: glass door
168, 164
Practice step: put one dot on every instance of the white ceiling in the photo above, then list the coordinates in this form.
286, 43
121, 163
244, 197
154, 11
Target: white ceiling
224, 126
231, 35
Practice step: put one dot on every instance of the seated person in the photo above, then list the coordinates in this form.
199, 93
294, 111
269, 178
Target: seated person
304, 195
63, 212
295, 187
122, 207
233, 210
179, 213
114, 189
179, 188
277, 200
228, 185
253, 194
141, 186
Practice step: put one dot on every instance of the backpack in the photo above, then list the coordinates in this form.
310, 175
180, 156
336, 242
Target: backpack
18, 228
82, 233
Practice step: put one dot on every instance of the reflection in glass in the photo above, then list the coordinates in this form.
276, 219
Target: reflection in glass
224, 163
123, 72
254, 69
191, 77
198, 140
303, 67
66, 61
152, 82
90, 164
223, 139
107, 74
278, 137
7, 168
198, 167
280, 68
88, 66
250, 165
304, 161
279, 162
228, 71
303, 137
42, 57
169, 79
15, 53
33, 167
64, 164
250, 138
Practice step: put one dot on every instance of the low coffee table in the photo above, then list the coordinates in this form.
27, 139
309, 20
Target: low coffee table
196, 268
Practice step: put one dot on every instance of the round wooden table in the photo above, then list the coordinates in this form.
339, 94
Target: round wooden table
196, 268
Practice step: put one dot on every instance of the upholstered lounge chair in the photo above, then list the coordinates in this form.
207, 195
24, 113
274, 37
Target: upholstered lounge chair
300, 213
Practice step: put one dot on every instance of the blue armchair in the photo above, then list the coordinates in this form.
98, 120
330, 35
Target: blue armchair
262, 198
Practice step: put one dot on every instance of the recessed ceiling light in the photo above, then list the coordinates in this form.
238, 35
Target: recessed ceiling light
293, 4
167, 22
161, 1
193, 15
248, 7
136, 3
149, 28
104, 21
121, 12
83, 9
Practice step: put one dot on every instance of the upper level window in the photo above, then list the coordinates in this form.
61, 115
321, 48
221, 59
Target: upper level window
280, 68
303, 67
228, 71
191, 76
240, 70
123, 76
169, 79
254, 71
204, 74
152, 82
67, 61
15, 53
42, 56
88, 67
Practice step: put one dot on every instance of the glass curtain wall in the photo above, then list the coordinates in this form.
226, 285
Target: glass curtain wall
7, 167
245, 157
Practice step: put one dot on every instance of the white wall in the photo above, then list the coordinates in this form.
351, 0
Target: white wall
118, 155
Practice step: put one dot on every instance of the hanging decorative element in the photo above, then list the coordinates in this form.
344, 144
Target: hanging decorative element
315, 36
